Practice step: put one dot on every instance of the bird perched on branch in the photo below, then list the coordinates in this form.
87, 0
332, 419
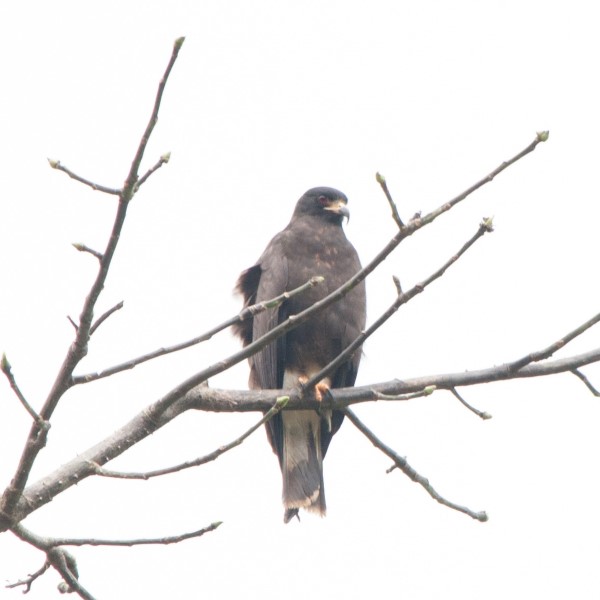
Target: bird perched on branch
312, 244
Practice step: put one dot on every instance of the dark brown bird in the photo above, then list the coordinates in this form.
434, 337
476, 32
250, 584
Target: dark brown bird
312, 244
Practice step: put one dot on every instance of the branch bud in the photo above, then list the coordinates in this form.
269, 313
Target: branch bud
179, 42
487, 223
64, 588
282, 401
379, 178
54, 163
165, 157
542, 136
4, 364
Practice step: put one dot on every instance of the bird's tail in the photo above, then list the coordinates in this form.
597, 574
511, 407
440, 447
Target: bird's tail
302, 465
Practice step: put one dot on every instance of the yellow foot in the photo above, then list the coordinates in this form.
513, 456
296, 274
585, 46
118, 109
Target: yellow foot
321, 388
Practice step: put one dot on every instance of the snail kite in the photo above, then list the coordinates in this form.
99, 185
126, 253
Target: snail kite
312, 244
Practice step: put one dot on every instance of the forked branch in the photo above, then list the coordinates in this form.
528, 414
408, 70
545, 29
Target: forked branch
78, 349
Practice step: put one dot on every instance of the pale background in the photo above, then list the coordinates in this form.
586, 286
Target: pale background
266, 100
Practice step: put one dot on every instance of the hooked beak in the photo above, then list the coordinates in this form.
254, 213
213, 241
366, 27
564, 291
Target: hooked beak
339, 207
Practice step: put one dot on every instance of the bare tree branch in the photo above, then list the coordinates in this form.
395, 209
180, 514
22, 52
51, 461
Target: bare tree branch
53, 542
247, 313
55, 164
586, 381
30, 578
395, 215
279, 405
401, 463
161, 161
7, 370
36, 439
540, 137
84, 248
552, 348
204, 398
132, 179
193, 393
296, 320
62, 560
105, 316
481, 414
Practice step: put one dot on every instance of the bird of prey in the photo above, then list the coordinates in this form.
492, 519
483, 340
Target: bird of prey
313, 243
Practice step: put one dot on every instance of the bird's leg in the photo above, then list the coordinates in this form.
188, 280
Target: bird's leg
321, 390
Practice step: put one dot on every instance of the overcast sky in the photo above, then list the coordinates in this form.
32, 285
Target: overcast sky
268, 99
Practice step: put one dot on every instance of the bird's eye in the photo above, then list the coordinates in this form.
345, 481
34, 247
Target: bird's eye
322, 200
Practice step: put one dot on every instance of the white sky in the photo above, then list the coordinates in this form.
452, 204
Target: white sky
266, 100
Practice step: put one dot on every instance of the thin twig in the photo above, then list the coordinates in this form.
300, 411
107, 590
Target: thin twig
279, 405
84, 248
401, 463
132, 178
55, 164
172, 539
105, 316
30, 578
586, 381
247, 313
6, 368
552, 348
396, 216
539, 138
161, 161
481, 414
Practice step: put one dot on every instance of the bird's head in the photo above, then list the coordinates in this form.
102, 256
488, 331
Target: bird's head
323, 202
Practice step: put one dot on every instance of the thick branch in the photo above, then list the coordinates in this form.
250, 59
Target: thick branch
213, 400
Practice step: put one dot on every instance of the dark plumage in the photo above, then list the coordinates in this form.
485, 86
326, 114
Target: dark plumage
312, 244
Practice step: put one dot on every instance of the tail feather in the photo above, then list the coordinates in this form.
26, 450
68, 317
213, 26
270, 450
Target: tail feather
302, 465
